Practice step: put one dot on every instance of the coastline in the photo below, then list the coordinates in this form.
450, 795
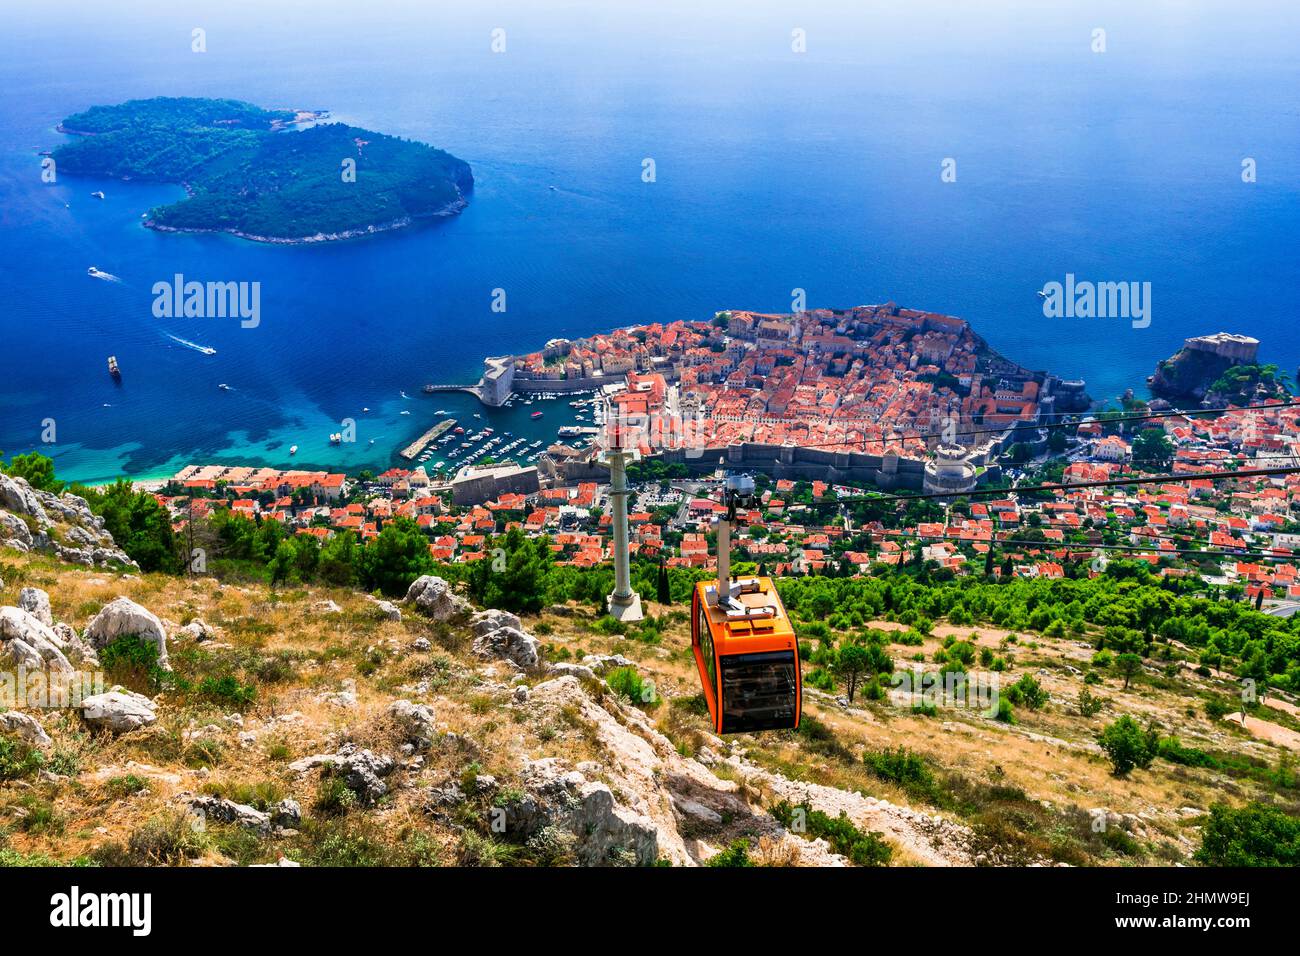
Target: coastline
453, 208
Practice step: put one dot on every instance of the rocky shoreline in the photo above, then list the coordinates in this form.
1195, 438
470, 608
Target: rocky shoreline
451, 209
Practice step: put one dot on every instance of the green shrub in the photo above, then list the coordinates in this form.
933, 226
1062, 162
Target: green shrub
227, 690
900, 766
133, 662
735, 855
1127, 745
333, 797
18, 759
1172, 749
1089, 704
626, 682
862, 849
1027, 691
1253, 835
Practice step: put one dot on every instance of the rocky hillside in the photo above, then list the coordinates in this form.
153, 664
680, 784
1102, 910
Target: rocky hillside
60, 525
240, 725
333, 728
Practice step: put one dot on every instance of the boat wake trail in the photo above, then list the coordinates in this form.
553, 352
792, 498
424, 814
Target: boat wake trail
101, 274
205, 349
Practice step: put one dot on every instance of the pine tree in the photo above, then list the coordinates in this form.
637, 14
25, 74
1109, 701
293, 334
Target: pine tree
663, 592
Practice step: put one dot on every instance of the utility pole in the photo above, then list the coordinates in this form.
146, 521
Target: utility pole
624, 603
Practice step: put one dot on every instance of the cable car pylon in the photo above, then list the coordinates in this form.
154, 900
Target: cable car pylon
623, 603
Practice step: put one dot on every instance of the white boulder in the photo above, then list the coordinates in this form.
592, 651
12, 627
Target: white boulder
118, 711
25, 726
434, 597
512, 644
36, 603
124, 618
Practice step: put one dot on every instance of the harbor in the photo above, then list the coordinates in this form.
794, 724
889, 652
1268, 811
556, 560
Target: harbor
412, 451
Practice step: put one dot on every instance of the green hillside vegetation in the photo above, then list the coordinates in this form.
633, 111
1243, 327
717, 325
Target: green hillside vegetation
247, 173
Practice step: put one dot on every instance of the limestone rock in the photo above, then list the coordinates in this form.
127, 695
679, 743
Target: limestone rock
286, 814
569, 669
227, 811
118, 711
122, 617
199, 630
388, 611
61, 525
434, 597
36, 603
25, 726
30, 642
604, 831
485, 622
602, 663
415, 721
509, 643
361, 770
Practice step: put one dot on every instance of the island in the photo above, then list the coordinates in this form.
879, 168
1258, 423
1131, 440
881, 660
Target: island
280, 176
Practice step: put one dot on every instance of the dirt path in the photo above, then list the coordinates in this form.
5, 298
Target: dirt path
1267, 730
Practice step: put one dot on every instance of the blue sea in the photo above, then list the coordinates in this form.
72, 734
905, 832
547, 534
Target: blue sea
775, 171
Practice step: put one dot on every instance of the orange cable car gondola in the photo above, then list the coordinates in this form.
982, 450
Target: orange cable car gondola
744, 643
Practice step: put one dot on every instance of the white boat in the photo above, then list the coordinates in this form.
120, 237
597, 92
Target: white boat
293, 449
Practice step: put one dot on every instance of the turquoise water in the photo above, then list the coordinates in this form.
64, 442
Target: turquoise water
775, 171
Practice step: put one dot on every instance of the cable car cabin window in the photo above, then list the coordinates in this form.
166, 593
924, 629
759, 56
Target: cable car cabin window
758, 692
706, 647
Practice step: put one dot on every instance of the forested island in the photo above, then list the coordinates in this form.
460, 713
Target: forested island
267, 175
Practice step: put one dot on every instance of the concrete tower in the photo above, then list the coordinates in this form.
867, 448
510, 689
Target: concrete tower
624, 603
